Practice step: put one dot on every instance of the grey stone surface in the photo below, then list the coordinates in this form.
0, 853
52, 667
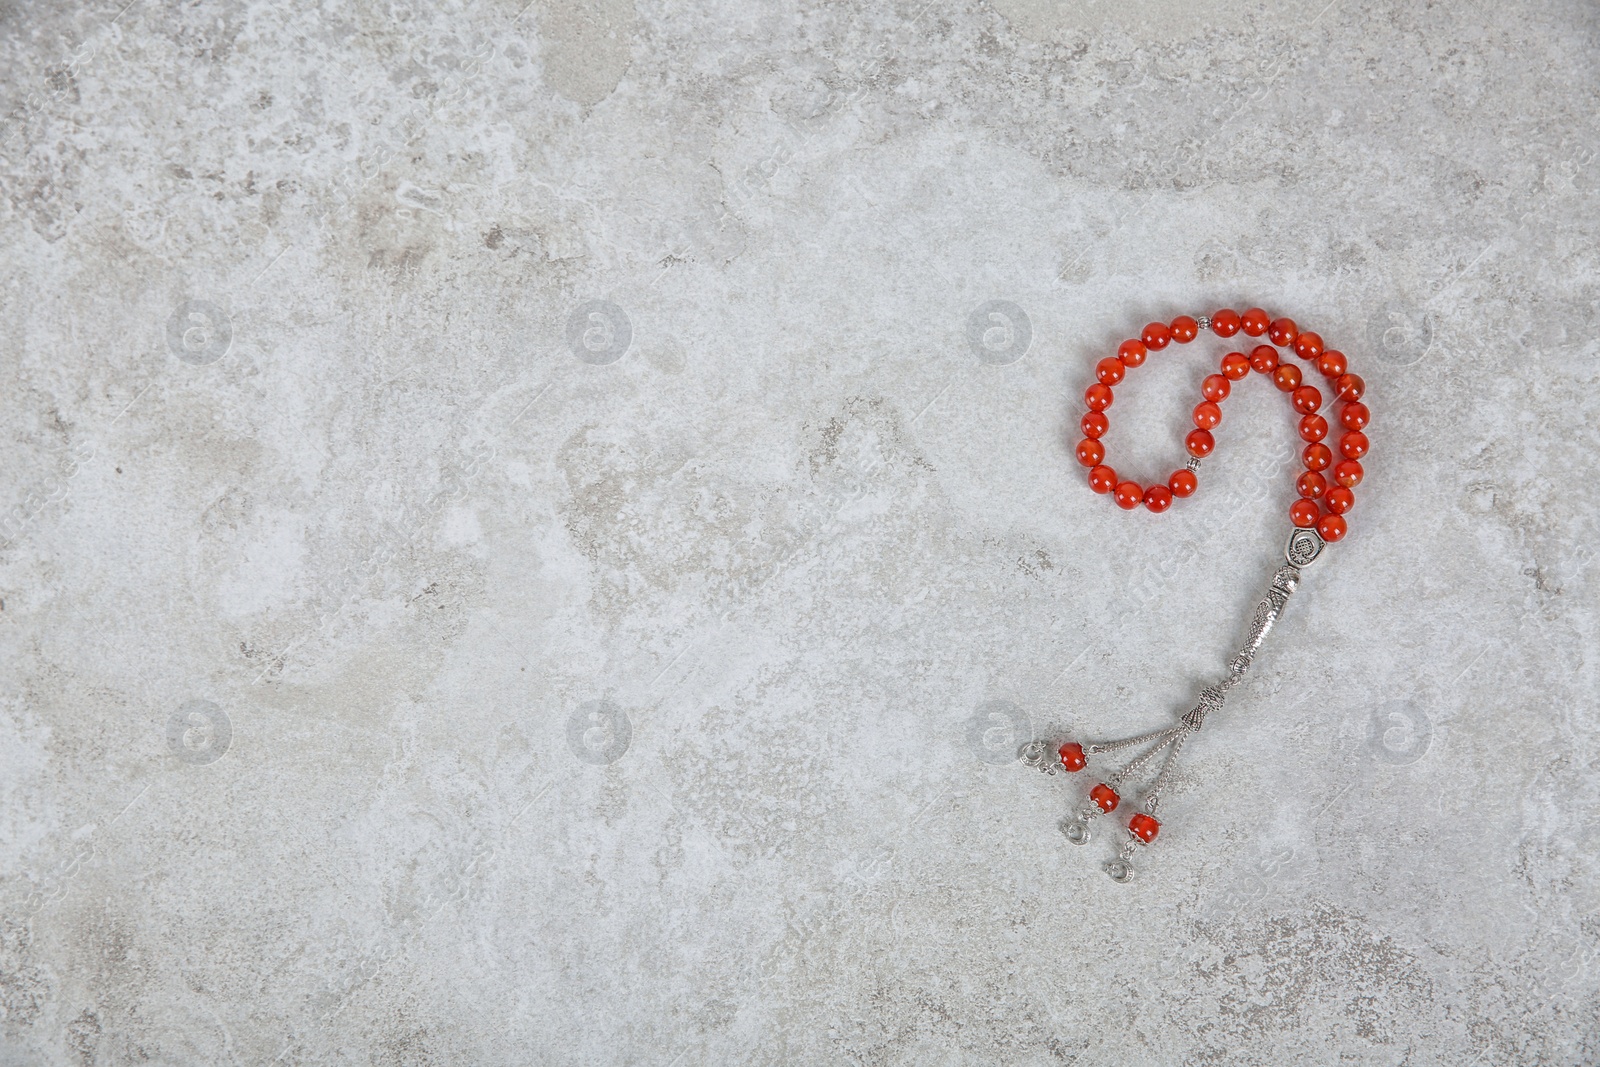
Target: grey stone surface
516, 551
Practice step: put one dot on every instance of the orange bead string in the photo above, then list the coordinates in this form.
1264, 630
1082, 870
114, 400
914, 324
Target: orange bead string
1324, 487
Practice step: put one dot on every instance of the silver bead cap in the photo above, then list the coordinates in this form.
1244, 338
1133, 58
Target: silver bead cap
1303, 547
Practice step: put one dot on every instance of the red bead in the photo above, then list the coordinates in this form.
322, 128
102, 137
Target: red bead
1104, 796
1095, 424
1091, 452
1331, 527
1353, 445
1354, 416
1308, 346
1072, 757
1156, 336
1235, 366
1183, 483
1184, 329
1207, 415
1282, 332
1144, 827
1102, 479
1254, 322
1306, 399
1132, 353
1339, 500
1129, 495
1158, 498
1332, 363
1312, 427
1215, 387
1097, 396
1348, 473
1110, 371
1317, 457
1287, 377
1349, 387
1200, 443
1311, 485
1303, 513
1225, 323
1264, 359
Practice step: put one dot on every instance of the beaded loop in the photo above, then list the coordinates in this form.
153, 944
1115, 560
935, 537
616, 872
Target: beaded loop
1324, 494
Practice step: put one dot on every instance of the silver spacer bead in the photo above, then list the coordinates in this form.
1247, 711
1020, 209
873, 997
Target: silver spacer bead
1194, 463
1203, 321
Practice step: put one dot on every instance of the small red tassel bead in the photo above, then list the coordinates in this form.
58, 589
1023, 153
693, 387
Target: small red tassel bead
1104, 796
1072, 757
1144, 827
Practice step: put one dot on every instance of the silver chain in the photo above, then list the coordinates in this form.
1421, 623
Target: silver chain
1127, 742
1167, 739
1152, 799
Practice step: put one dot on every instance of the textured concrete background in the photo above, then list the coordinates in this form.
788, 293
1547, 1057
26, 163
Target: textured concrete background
523, 544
